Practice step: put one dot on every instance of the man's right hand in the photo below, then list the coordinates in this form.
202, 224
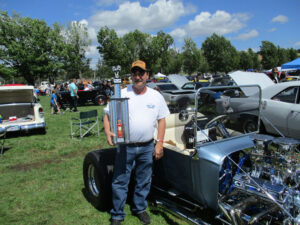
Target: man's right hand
109, 136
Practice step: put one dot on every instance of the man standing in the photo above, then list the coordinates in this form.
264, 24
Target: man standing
74, 95
147, 109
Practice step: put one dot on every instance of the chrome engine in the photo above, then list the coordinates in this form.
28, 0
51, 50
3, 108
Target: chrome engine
261, 185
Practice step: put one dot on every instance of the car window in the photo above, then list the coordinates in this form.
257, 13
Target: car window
222, 81
167, 87
188, 86
288, 95
202, 84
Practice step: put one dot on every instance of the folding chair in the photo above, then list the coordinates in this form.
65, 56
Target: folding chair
2, 139
86, 122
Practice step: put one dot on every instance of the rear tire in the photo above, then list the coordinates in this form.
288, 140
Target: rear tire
97, 181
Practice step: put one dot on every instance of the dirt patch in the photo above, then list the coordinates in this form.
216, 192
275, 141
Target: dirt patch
35, 165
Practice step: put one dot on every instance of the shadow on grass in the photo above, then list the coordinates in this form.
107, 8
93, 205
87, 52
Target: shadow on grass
159, 212
86, 195
4, 150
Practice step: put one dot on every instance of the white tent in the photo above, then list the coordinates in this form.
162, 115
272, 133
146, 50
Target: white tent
159, 75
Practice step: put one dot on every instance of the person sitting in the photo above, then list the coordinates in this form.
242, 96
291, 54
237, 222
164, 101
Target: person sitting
86, 88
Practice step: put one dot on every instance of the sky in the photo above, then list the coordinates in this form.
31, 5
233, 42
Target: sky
245, 23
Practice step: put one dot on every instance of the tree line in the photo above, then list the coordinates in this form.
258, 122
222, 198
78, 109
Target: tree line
30, 50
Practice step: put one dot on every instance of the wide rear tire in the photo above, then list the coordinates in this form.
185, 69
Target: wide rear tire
97, 181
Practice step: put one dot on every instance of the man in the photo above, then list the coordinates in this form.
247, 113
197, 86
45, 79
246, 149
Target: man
147, 108
274, 75
74, 95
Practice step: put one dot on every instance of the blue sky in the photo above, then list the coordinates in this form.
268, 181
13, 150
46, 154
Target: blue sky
245, 23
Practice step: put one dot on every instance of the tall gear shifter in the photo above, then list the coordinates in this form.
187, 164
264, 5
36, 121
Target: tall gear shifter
118, 111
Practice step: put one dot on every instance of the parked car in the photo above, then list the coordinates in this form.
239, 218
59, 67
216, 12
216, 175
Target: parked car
211, 173
195, 85
175, 98
95, 96
20, 110
280, 110
232, 79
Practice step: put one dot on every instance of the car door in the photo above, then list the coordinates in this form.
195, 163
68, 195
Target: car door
277, 111
294, 119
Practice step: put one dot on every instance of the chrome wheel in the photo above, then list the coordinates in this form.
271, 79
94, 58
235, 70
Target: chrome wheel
92, 180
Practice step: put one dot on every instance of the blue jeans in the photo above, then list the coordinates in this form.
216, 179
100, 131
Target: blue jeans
126, 158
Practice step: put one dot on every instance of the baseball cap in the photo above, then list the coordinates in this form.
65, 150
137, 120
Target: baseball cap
139, 63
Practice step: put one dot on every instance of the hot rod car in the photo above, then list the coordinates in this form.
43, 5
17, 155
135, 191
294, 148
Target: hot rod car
210, 166
96, 96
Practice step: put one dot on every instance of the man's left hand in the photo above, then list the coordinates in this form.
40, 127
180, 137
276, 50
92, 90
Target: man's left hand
158, 151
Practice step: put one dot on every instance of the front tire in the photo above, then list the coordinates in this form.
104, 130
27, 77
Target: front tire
100, 100
97, 181
250, 125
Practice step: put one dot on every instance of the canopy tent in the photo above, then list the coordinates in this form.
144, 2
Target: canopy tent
295, 64
159, 75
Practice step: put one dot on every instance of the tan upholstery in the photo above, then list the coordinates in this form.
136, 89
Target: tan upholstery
174, 133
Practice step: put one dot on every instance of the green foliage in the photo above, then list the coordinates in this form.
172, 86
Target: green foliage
220, 54
35, 51
191, 56
269, 55
132, 46
76, 40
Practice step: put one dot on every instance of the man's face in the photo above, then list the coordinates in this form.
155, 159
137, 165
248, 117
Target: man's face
139, 78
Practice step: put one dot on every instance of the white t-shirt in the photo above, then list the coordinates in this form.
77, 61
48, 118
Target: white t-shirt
144, 111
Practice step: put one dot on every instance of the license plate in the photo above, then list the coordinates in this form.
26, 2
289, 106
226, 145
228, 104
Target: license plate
13, 128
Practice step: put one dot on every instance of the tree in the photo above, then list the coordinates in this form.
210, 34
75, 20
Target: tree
220, 54
174, 65
6, 72
254, 59
245, 61
283, 56
76, 39
163, 42
111, 48
191, 56
292, 54
134, 45
30, 48
269, 55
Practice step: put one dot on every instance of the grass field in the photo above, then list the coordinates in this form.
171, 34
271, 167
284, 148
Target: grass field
41, 177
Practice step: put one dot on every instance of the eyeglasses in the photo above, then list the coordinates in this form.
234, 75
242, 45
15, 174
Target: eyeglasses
139, 73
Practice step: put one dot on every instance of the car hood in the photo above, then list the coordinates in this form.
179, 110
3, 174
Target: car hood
177, 92
16, 94
250, 78
178, 80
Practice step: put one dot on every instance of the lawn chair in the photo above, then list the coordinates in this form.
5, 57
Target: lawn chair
2, 139
86, 122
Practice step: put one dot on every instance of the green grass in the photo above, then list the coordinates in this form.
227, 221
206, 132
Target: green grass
41, 177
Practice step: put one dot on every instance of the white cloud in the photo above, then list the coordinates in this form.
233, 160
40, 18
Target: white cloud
205, 24
221, 23
248, 35
92, 51
297, 43
131, 15
178, 33
280, 19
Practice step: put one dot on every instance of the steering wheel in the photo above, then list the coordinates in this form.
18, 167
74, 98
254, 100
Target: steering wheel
221, 119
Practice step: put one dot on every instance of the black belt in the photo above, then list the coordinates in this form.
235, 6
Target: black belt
140, 144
